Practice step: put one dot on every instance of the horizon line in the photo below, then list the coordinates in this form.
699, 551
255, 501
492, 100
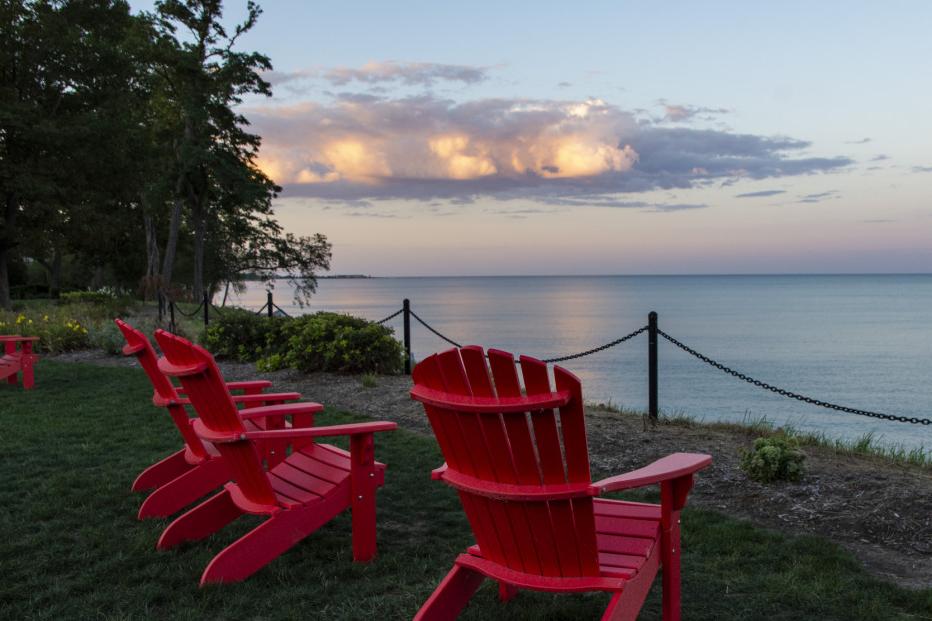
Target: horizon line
702, 274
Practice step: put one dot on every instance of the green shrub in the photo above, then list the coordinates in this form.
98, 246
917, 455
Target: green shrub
776, 458
319, 342
242, 335
101, 305
342, 344
88, 297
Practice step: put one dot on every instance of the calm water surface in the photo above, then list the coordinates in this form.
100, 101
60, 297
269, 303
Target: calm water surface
862, 341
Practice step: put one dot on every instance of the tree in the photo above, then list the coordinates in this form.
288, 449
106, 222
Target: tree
207, 78
69, 84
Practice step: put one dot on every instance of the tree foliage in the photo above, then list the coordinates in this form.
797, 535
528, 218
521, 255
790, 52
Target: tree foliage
123, 153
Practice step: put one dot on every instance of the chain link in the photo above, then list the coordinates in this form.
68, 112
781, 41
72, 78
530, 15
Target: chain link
392, 316
192, 313
597, 349
426, 325
793, 395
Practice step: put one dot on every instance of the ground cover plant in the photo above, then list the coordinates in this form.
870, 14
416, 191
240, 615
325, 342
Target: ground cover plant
73, 549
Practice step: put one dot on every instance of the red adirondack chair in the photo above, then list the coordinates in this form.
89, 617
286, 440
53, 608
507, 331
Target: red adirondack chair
310, 487
529, 497
18, 360
196, 470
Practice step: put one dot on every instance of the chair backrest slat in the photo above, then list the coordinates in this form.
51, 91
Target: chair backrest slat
543, 537
215, 407
137, 344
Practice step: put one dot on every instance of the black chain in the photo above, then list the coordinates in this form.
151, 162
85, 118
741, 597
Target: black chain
425, 324
597, 349
793, 395
192, 313
392, 316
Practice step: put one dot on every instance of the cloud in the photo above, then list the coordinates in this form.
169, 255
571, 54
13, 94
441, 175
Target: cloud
376, 74
818, 197
879, 158
922, 169
426, 148
408, 74
760, 193
564, 84
861, 141
679, 113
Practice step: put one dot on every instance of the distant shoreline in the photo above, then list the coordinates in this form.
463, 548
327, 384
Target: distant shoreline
762, 275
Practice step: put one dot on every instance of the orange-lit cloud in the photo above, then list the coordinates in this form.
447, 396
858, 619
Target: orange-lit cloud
366, 146
376, 141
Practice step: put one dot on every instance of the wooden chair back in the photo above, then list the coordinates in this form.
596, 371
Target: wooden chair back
197, 371
521, 474
165, 395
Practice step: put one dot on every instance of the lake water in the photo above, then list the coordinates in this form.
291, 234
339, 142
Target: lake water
860, 341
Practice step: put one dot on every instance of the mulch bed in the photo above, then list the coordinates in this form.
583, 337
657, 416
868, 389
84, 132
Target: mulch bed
881, 512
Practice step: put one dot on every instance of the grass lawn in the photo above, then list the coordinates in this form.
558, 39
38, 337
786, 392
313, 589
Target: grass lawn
72, 548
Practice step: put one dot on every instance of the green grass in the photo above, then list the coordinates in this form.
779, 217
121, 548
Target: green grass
72, 549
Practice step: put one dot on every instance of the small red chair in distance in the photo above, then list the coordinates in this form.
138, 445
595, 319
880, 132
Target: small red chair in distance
529, 498
18, 361
196, 470
310, 487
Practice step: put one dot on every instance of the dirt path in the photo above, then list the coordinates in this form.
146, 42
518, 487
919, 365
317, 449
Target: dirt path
879, 511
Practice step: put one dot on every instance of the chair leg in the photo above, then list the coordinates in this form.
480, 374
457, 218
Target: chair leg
201, 521
185, 489
269, 540
506, 592
29, 378
670, 559
448, 599
162, 472
363, 488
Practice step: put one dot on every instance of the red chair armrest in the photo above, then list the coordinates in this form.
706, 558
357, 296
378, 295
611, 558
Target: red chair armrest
249, 385
666, 469
284, 409
267, 396
439, 398
351, 429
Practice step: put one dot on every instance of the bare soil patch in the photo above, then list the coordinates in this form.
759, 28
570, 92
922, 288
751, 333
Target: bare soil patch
879, 511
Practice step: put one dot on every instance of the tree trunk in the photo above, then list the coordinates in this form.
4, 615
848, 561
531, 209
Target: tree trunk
6, 245
200, 238
171, 245
151, 279
55, 275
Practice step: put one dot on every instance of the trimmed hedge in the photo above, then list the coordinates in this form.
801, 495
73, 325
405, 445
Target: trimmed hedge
318, 342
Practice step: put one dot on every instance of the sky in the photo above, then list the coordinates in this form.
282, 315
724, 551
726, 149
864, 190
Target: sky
494, 138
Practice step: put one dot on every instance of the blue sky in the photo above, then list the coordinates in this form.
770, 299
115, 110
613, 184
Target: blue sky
601, 137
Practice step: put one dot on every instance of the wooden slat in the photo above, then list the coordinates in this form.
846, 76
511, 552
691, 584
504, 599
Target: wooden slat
623, 508
464, 433
521, 551
620, 544
609, 559
627, 526
317, 468
542, 555
550, 454
573, 426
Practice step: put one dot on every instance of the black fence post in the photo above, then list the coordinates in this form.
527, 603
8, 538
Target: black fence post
406, 308
206, 309
161, 299
171, 311
269, 304
652, 407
